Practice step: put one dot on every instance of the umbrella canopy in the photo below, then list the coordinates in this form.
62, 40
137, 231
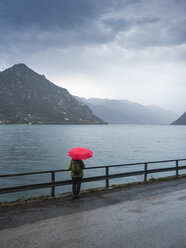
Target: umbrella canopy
80, 153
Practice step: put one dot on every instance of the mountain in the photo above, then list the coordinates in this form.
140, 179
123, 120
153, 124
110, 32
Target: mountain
28, 97
127, 112
181, 120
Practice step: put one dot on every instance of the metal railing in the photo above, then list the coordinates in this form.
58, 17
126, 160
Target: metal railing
53, 183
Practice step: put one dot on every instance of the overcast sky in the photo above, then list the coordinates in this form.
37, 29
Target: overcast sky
118, 49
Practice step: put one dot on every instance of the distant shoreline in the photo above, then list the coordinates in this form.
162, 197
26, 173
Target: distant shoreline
96, 124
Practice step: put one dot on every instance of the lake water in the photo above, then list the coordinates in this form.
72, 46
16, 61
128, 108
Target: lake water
28, 148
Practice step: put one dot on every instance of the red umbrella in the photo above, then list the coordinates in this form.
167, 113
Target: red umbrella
80, 153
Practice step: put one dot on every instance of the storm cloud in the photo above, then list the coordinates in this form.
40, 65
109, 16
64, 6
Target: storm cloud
47, 23
85, 42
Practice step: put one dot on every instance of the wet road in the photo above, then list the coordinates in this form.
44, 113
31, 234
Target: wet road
156, 220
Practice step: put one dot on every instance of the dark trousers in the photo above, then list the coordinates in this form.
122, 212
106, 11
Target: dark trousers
76, 185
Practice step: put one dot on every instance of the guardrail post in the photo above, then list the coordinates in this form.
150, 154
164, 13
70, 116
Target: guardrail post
177, 169
107, 174
52, 180
145, 172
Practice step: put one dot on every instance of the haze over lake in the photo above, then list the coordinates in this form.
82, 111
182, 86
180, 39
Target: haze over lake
26, 148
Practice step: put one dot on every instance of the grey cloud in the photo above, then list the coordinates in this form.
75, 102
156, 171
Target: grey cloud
47, 14
61, 13
147, 20
35, 25
46, 23
117, 24
177, 32
123, 24
162, 34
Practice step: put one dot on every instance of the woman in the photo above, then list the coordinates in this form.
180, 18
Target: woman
76, 167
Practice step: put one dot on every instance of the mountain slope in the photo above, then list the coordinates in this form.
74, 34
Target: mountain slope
181, 120
126, 112
27, 97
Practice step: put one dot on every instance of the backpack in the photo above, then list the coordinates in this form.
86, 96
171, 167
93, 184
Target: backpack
76, 167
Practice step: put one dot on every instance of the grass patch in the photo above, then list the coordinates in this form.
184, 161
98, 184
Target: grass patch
151, 180
26, 201
124, 185
94, 190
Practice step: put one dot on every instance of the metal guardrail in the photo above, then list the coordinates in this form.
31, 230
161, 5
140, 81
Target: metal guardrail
53, 183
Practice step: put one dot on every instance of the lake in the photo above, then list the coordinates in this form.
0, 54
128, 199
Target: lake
28, 148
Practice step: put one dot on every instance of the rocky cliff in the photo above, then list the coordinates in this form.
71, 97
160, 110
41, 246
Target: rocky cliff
28, 97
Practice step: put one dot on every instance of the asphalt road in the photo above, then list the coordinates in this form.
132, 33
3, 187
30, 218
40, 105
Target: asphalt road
152, 215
